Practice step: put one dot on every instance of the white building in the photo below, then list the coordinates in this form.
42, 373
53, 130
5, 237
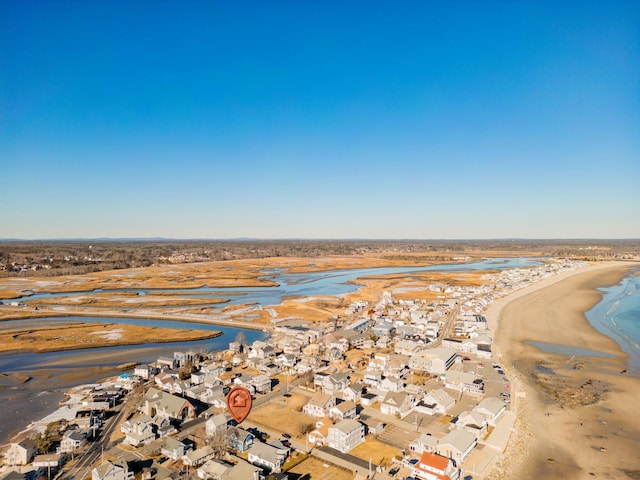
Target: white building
346, 435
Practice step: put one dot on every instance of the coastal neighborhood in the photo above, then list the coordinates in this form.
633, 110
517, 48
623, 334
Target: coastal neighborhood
396, 388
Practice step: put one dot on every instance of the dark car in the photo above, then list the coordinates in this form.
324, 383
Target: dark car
393, 471
286, 435
286, 443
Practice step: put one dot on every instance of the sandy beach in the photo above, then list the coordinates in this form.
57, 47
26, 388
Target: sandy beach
578, 416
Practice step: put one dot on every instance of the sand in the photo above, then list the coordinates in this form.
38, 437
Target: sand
578, 417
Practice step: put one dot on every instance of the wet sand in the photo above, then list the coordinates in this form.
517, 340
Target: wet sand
578, 416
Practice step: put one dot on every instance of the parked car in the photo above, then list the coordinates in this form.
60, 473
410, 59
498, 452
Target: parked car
393, 471
286, 435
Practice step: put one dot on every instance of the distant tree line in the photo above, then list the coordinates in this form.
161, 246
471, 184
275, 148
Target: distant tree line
54, 258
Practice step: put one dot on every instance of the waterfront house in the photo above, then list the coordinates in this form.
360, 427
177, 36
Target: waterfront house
71, 441
21, 453
473, 422
463, 382
491, 408
457, 444
460, 344
346, 435
433, 466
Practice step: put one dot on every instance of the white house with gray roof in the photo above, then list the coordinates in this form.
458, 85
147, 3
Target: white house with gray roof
457, 444
346, 435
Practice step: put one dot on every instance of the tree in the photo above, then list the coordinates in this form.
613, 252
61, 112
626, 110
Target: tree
306, 428
241, 339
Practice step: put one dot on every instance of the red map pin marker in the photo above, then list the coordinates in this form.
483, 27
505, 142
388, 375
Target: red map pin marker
239, 403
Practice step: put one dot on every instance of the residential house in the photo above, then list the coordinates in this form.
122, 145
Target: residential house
407, 347
267, 456
216, 423
22, 452
352, 393
373, 378
460, 344
463, 382
109, 470
71, 441
457, 444
167, 362
139, 431
244, 471
48, 461
373, 426
262, 383
319, 405
173, 448
436, 402
197, 457
335, 383
369, 399
473, 422
392, 384
433, 466
397, 403
424, 443
167, 405
346, 435
214, 470
491, 408
433, 360
343, 410
286, 360
239, 439
397, 366
144, 371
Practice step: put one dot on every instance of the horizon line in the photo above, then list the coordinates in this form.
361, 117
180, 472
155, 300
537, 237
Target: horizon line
346, 239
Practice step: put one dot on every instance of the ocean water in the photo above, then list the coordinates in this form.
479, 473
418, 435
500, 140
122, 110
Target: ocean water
617, 315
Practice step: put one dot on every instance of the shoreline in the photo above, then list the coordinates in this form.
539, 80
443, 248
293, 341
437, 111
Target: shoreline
577, 416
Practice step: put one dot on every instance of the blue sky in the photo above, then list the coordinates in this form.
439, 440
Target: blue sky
320, 119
